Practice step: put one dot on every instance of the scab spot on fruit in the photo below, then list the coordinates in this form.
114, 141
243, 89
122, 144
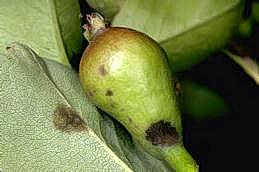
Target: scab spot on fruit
101, 70
162, 133
109, 92
67, 120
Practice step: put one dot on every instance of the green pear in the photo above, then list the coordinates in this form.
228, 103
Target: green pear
126, 74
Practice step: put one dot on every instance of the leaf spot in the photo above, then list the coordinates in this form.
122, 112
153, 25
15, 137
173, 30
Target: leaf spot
67, 120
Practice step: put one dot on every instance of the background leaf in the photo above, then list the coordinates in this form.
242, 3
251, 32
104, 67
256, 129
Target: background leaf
188, 30
200, 102
33, 93
50, 27
108, 8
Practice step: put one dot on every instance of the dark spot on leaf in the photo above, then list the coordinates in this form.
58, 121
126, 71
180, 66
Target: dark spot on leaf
7, 48
102, 70
66, 119
162, 133
109, 92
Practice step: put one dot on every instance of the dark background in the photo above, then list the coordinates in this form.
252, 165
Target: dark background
226, 143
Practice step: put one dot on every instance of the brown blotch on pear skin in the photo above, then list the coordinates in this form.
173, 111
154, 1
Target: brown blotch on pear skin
109, 92
101, 70
66, 119
162, 133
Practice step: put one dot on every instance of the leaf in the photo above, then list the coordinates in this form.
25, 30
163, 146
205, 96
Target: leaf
108, 8
50, 27
188, 30
121, 142
48, 124
200, 102
255, 11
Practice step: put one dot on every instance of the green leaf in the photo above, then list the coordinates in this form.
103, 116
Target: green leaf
108, 8
50, 27
245, 28
122, 143
48, 124
255, 11
188, 30
200, 102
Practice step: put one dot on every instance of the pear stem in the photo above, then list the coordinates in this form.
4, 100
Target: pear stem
179, 158
95, 24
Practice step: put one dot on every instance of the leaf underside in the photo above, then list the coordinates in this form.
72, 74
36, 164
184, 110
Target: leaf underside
48, 124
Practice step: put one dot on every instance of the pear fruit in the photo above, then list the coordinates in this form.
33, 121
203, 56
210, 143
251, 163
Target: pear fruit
126, 74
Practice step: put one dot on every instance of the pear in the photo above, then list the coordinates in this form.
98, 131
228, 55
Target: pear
126, 74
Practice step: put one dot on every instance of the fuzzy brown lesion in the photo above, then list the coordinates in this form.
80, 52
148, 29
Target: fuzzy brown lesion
102, 71
162, 133
68, 120
109, 92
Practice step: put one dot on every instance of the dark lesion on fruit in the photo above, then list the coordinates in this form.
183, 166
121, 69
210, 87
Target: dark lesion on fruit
101, 70
67, 120
109, 92
162, 133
